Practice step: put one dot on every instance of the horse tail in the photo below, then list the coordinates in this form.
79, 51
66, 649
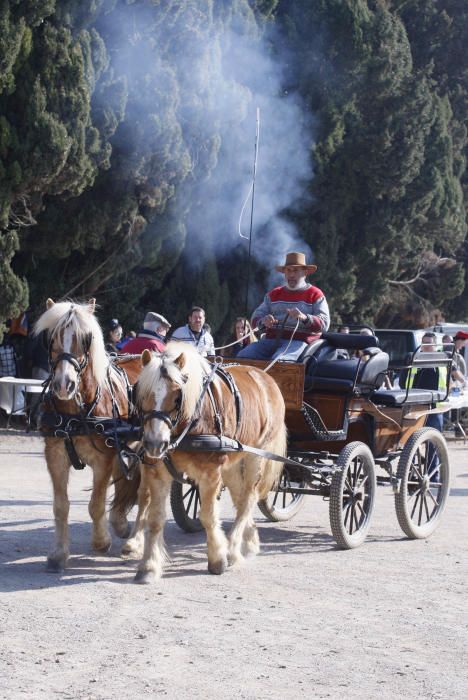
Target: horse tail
126, 492
271, 473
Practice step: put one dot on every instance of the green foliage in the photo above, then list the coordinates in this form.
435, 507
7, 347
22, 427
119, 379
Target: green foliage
386, 191
14, 297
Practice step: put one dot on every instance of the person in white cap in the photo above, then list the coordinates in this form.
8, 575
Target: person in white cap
152, 337
296, 303
194, 332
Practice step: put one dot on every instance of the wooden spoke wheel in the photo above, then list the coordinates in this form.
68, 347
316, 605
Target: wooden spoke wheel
280, 505
185, 505
424, 481
352, 495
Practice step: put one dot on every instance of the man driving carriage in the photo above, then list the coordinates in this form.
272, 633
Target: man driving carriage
297, 303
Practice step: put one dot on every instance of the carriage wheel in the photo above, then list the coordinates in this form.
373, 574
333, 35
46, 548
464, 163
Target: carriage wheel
280, 506
424, 475
352, 495
185, 505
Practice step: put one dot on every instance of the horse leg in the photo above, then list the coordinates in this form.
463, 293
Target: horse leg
157, 483
58, 465
97, 506
133, 547
243, 538
209, 485
118, 513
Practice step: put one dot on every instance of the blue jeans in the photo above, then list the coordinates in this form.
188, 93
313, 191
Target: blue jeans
267, 349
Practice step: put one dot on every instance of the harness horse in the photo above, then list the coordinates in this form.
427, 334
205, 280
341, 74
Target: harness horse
181, 397
86, 403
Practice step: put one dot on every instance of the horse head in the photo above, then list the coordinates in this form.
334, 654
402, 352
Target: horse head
167, 394
75, 344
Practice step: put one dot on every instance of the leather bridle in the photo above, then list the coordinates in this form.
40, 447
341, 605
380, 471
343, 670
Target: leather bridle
78, 364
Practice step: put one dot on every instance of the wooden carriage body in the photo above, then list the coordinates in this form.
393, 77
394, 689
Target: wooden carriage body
381, 427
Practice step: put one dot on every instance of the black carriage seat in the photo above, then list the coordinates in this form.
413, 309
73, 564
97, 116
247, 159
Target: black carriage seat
398, 397
336, 346
417, 360
326, 371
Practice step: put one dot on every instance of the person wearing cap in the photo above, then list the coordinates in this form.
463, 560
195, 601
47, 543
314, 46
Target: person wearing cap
151, 337
196, 332
296, 303
459, 364
114, 334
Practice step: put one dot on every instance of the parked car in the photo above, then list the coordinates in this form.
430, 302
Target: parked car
400, 343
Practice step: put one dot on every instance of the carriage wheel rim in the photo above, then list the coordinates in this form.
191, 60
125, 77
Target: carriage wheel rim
424, 494
424, 475
356, 496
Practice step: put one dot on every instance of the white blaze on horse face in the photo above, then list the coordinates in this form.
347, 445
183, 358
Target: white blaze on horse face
157, 433
65, 375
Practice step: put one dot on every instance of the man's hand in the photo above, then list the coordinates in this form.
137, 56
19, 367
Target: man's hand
269, 321
297, 314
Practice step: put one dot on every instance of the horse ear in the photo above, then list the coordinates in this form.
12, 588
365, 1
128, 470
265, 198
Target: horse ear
145, 357
50, 303
92, 304
180, 361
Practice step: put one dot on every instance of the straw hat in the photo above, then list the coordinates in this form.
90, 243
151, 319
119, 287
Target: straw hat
296, 260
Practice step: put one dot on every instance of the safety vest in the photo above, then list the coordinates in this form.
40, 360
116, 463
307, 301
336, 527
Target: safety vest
442, 378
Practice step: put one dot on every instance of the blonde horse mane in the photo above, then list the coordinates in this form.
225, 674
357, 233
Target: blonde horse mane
83, 322
184, 366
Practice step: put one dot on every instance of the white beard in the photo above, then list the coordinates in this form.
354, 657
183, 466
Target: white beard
302, 284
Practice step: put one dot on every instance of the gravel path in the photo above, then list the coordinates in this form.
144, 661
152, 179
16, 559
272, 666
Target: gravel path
387, 620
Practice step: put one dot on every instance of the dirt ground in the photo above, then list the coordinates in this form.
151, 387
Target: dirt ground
386, 620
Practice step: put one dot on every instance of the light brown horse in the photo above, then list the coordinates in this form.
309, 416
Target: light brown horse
83, 383
169, 391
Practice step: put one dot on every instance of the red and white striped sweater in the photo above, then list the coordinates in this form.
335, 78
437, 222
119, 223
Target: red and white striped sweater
309, 300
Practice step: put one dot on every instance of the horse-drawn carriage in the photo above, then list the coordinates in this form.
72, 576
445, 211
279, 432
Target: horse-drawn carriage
205, 426
342, 422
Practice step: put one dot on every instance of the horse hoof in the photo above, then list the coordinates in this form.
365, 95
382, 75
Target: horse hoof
217, 567
236, 559
122, 531
102, 547
55, 566
131, 552
145, 577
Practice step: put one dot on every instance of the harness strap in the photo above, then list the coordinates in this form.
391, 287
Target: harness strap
208, 379
176, 475
229, 379
217, 416
222, 443
72, 453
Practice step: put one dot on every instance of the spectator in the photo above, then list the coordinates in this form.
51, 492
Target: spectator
343, 329
130, 335
241, 328
114, 334
196, 333
7, 360
459, 364
37, 356
428, 378
447, 341
151, 337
